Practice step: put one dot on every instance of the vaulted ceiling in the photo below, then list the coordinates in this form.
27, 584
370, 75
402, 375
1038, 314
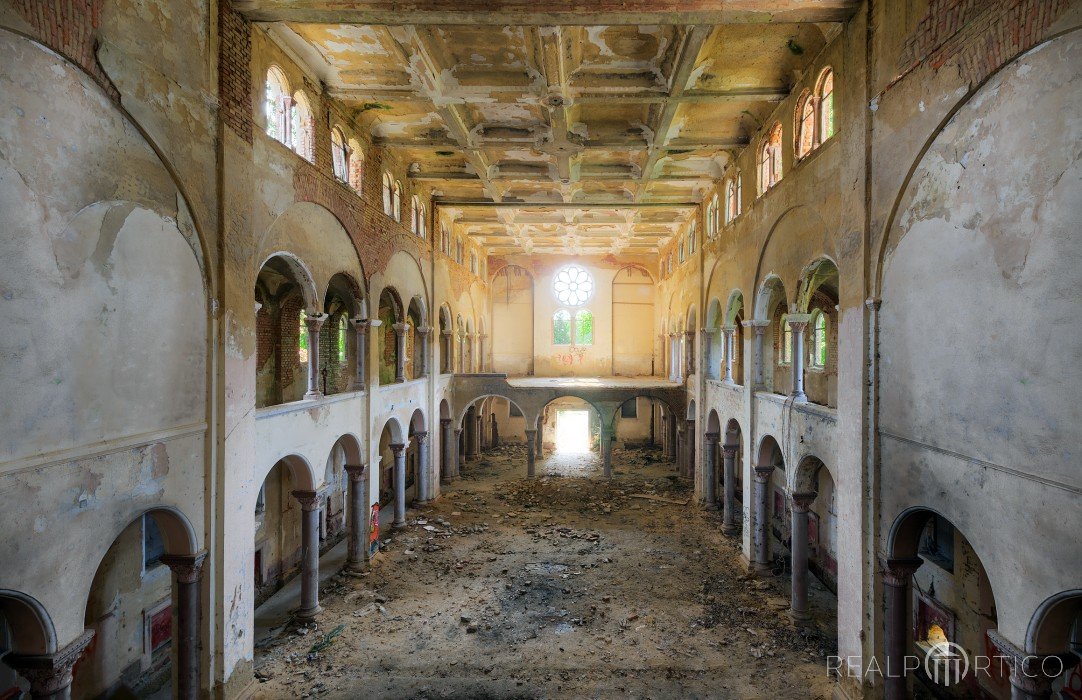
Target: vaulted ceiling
548, 126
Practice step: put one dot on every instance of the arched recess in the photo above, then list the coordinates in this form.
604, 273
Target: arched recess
512, 298
817, 295
346, 450
691, 334
734, 319
28, 629
1056, 626
771, 306
391, 312
285, 296
633, 322
714, 341
460, 340
777, 518
812, 476
638, 421
344, 303
446, 341
416, 318
734, 439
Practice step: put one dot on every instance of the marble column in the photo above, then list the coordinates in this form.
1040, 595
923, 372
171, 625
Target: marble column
471, 437
462, 353
759, 327
448, 448
689, 353
708, 360
800, 503
670, 436
896, 573
422, 467
311, 502
540, 443
360, 326
459, 451
689, 457
680, 442
50, 674
399, 452
728, 517
400, 330
358, 481
761, 534
710, 471
729, 332
423, 334
447, 352
607, 438
531, 457
798, 322
188, 569
313, 322
481, 349
1031, 675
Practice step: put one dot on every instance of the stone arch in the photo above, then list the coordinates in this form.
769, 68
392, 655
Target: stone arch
770, 453
418, 423
351, 445
806, 474
458, 420
713, 423
397, 432
665, 403
800, 234
304, 475
352, 294
31, 627
1050, 627
771, 293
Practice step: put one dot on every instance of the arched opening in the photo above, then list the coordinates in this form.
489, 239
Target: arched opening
819, 297
512, 321
714, 342
397, 482
732, 479
447, 341
416, 342
391, 337
632, 322
25, 630
813, 541
467, 348
691, 331
335, 513
1056, 629
777, 347
733, 332
460, 350
341, 363
132, 611
770, 510
951, 601
283, 297
570, 428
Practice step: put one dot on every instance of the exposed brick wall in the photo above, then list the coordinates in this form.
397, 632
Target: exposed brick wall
981, 35
234, 72
70, 28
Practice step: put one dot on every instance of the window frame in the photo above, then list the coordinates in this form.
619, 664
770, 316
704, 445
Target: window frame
785, 352
806, 117
770, 160
339, 155
559, 315
813, 359
276, 111
396, 199
824, 108
575, 340
388, 202
302, 127
355, 167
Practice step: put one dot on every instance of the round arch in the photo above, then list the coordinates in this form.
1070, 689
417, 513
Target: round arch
770, 453
1049, 630
477, 400
304, 476
32, 630
397, 432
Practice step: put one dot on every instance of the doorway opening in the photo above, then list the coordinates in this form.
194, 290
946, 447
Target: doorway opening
572, 431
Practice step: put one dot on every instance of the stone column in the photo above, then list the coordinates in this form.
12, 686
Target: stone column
399, 452
707, 360
313, 322
311, 502
710, 472
447, 438
459, 450
471, 437
422, 467
675, 358
422, 335
607, 438
462, 352
761, 534
689, 353
480, 432
448, 347
680, 442
728, 516
729, 332
1032, 675
896, 573
357, 507
799, 505
481, 351
758, 377
540, 443
689, 457
400, 343
670, 439
531, 457
495, 432
360, 326
798, 322
50, 674
188, 569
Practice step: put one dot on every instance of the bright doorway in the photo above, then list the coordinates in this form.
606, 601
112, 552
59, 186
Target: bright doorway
573, 431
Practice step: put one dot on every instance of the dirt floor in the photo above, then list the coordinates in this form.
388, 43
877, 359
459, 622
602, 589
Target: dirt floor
565, 586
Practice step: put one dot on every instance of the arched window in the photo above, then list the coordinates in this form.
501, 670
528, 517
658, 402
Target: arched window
458, 251
422, 222
573, 285
342, 330
355, 158
824, 92
302, 127
302, 339
388, 194
732, 198
819, 339
276, 105
561, 327
339, 155
805, 124
584, 327
786, 354
396, 200
415, 214
473, 262
445, 240
691, 239
770, 159
712, 217
680, 252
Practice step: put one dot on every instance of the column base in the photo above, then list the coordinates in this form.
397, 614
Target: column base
761, 568
355, 567
730, 530
356, 386
308, 613
313, 396
798, 618
707, 505
398, 525
799, 398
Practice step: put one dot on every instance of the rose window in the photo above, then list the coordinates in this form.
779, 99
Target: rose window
573, 285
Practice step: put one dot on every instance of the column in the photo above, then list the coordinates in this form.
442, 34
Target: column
728, 516
462, 352
448, 445
670, 432
357, 489
399, 452
798, 322
480, 432
758, 378
1032, 675
447, 351
896, 573
708, 362
313, 322
799, 505
607, 438
188, 569
310, 501
540, 443
710, 473
727, 343
675, 358
422, 337
531, 457
422, 466
481, 351
495, 432
689, 353
459, 451
50, 674
471, 437
360, 326
689, 457
761, 534
400, 343
680, 443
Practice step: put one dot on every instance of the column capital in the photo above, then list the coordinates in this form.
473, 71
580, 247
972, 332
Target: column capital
756, 325
873, 303
400, 328
50, 673
1032, 673
730, 450
309, 500
361, 324
763, 472
447, 333
421, 436
424, 330
728, 330
801, 500
712, 437
797, 321
707, 332
897, 570
187, 567
461, 333
357, 472
374, 322
397, 448
445, 422
314, 322
689, 334
530, 430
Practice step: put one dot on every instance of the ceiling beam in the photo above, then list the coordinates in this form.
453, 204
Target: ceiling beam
574, 96
619, 206
539, 177
604, 144
547, 12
